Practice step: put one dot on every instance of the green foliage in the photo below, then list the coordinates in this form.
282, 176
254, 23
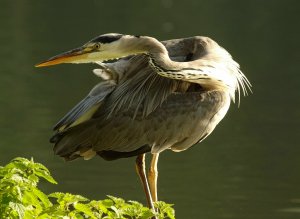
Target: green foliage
20, 198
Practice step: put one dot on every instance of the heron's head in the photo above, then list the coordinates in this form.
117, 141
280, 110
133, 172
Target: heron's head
102, 48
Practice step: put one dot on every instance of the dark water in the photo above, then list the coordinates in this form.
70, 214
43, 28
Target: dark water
248, 168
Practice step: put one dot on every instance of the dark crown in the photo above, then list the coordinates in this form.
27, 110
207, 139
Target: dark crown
107, 38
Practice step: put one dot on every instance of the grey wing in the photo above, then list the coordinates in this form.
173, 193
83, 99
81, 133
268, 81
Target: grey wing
140, 87
86, 107
180, 122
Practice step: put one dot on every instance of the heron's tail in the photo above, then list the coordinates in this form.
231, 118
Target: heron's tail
78, 142
72, 144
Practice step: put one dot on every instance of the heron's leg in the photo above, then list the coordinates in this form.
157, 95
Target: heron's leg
152, 176
141, 170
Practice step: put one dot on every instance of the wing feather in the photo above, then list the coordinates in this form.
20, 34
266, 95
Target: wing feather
180, 122
140, 89
84, 109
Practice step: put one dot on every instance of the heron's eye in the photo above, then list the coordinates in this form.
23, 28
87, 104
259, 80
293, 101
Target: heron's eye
97, 46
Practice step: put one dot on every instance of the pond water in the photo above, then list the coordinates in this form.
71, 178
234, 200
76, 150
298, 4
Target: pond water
249, 168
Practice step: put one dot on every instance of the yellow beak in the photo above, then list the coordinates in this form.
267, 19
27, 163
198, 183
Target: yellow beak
77, 55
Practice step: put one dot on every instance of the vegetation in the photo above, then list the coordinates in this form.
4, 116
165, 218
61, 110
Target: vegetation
20, 198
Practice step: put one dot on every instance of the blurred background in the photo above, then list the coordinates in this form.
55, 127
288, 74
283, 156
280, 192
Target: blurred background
248, 168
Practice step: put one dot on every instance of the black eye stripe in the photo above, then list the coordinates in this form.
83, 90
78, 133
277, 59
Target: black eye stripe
106, 38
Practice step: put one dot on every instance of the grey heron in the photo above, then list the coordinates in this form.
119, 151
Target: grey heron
154, 96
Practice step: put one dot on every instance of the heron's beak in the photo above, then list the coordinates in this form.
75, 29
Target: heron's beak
78, 55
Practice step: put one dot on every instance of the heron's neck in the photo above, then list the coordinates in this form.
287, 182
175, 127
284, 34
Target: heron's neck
208, 74
158, 53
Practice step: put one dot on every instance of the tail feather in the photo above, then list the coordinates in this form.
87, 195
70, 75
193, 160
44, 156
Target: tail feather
70, 144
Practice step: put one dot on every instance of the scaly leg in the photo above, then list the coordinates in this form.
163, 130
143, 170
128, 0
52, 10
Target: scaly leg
152, 176
141, 170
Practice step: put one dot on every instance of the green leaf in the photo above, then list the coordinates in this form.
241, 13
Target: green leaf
18, 179
44, 216
17, 208
42, 171
33, 179
116, 210
84, 209
117, 201
57, 195
165, 209
107, 203
147, 214
43, 197
29, 198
